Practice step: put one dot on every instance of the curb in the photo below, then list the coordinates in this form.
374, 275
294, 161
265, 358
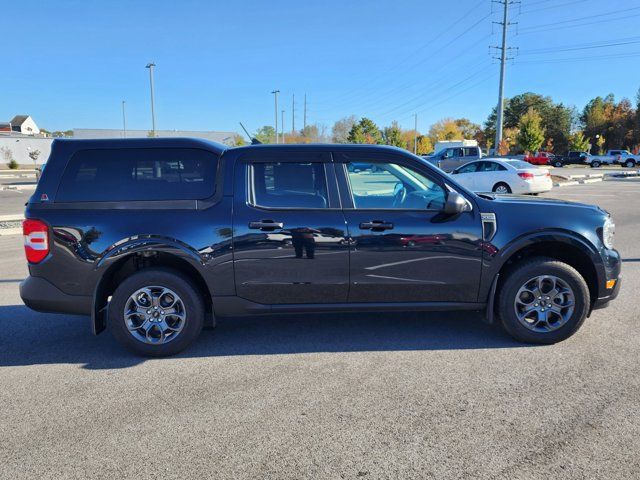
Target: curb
17, 217
592, 180
10, 231
565, 184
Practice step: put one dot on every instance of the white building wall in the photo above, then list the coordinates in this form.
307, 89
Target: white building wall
20, 148
29, 127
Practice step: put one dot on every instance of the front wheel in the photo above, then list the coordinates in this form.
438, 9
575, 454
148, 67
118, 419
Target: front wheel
543, 301
630, 163
595, 164
156, 312
557, 164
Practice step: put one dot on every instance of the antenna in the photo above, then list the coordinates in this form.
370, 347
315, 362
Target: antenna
254, 140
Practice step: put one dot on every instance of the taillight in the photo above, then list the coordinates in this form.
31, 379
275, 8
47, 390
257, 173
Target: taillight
526, 175
36, 240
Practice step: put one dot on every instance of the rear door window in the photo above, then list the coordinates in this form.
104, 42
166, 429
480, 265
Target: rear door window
137, 174
289, 185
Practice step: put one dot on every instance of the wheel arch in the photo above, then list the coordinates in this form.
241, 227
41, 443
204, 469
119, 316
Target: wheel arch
562, 246
138, 255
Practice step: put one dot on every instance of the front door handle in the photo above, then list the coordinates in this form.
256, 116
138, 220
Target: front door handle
266, 225
376, 225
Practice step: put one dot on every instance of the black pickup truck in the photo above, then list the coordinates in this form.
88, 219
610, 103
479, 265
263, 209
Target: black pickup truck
571, 158
154, 237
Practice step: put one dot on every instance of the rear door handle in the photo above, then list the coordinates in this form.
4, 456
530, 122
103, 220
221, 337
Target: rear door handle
376, 225
267, 225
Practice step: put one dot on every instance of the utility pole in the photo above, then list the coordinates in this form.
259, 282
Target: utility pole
415, 134
275, 97
151, 66
124, 121
282, 128
304, 123
293, 114
503, 63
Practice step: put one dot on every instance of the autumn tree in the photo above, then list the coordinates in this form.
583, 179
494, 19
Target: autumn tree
445, 129
531, 134
365, 131
425, 146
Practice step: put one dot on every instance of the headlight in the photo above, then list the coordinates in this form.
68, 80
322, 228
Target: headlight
608, 231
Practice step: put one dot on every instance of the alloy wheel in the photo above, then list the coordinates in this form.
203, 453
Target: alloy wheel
154, 315
544, 303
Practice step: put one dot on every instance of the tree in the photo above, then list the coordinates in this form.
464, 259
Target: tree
578, 142
468, 128
600, 142
34, 154
341, 129
424, 145
445, 129
365, 131
557, 119
238, 141
266, 134
531, 135
393, 136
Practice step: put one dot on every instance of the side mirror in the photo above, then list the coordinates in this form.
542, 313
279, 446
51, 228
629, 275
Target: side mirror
443, 156
455, 204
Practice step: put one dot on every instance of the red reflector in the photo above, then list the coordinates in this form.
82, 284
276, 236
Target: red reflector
526, 175
36, 240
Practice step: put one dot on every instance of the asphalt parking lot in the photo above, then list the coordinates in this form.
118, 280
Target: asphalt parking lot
340, 396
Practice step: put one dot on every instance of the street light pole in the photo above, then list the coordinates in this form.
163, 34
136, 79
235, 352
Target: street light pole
124, 121
275, 96
151, 66
415, 134
282, 127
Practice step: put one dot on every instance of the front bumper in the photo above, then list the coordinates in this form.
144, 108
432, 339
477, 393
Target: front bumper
42, 296
613, 267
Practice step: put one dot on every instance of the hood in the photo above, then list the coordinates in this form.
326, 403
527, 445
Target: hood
527, 200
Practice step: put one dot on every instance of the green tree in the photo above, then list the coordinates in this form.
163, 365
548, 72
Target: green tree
531, 134
557, 119
578, 142
393, 136
424, 145
365, 131
266, 134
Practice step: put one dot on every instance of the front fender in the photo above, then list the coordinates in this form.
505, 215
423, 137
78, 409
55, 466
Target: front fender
495, 258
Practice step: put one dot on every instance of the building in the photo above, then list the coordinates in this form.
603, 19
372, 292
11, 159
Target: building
25, 125
227, 138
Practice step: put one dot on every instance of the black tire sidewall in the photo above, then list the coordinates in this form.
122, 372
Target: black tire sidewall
531, 269
193, 303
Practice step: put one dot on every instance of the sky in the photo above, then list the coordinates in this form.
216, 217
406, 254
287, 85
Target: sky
70, 63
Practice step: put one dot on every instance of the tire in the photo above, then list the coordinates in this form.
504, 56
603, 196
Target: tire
557, 164
595, 164
176, 335
560, 325
630, 163
503, 187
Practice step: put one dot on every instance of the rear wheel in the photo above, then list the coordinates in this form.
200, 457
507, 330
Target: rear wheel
595, 164
501, 188
156, 312
557, 164
543, 301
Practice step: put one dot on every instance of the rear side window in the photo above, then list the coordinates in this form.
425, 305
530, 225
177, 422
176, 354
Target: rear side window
289, 185
132, 174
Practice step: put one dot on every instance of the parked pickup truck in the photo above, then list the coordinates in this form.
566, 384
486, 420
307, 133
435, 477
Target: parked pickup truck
152, 238
540, 158
612, 157
571, 158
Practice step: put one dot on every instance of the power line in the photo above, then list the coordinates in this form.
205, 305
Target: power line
589, 17
524, 12
585, 46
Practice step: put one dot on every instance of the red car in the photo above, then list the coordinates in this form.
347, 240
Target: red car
540, 158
